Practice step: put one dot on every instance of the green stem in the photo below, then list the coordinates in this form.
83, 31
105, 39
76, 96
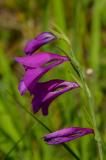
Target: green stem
68, 149
91, 106
76, 66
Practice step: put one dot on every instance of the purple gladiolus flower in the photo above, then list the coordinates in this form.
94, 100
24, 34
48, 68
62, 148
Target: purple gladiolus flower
38, 41
36, 66
67, 134
45, 92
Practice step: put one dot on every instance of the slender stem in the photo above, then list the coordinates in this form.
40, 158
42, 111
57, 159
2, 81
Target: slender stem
90, 99
90, 104
97, 134
76, 66
68, 149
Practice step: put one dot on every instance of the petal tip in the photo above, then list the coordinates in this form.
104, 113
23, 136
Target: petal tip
22, 87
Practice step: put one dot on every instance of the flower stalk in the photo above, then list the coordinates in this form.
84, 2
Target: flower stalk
91, 106
87, 94
89, 97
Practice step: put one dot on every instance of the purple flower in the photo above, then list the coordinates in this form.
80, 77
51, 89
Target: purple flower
67, 134
45, 92
36, 66
38, 41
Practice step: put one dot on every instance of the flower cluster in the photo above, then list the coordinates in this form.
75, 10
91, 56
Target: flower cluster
35, 66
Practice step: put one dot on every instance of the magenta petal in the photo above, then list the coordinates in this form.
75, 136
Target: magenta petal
22, 87
54, 93
36, 103
46, 92
40, 59
38, 41
67, 134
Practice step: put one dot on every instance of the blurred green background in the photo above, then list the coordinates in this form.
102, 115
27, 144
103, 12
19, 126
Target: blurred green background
84, 23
